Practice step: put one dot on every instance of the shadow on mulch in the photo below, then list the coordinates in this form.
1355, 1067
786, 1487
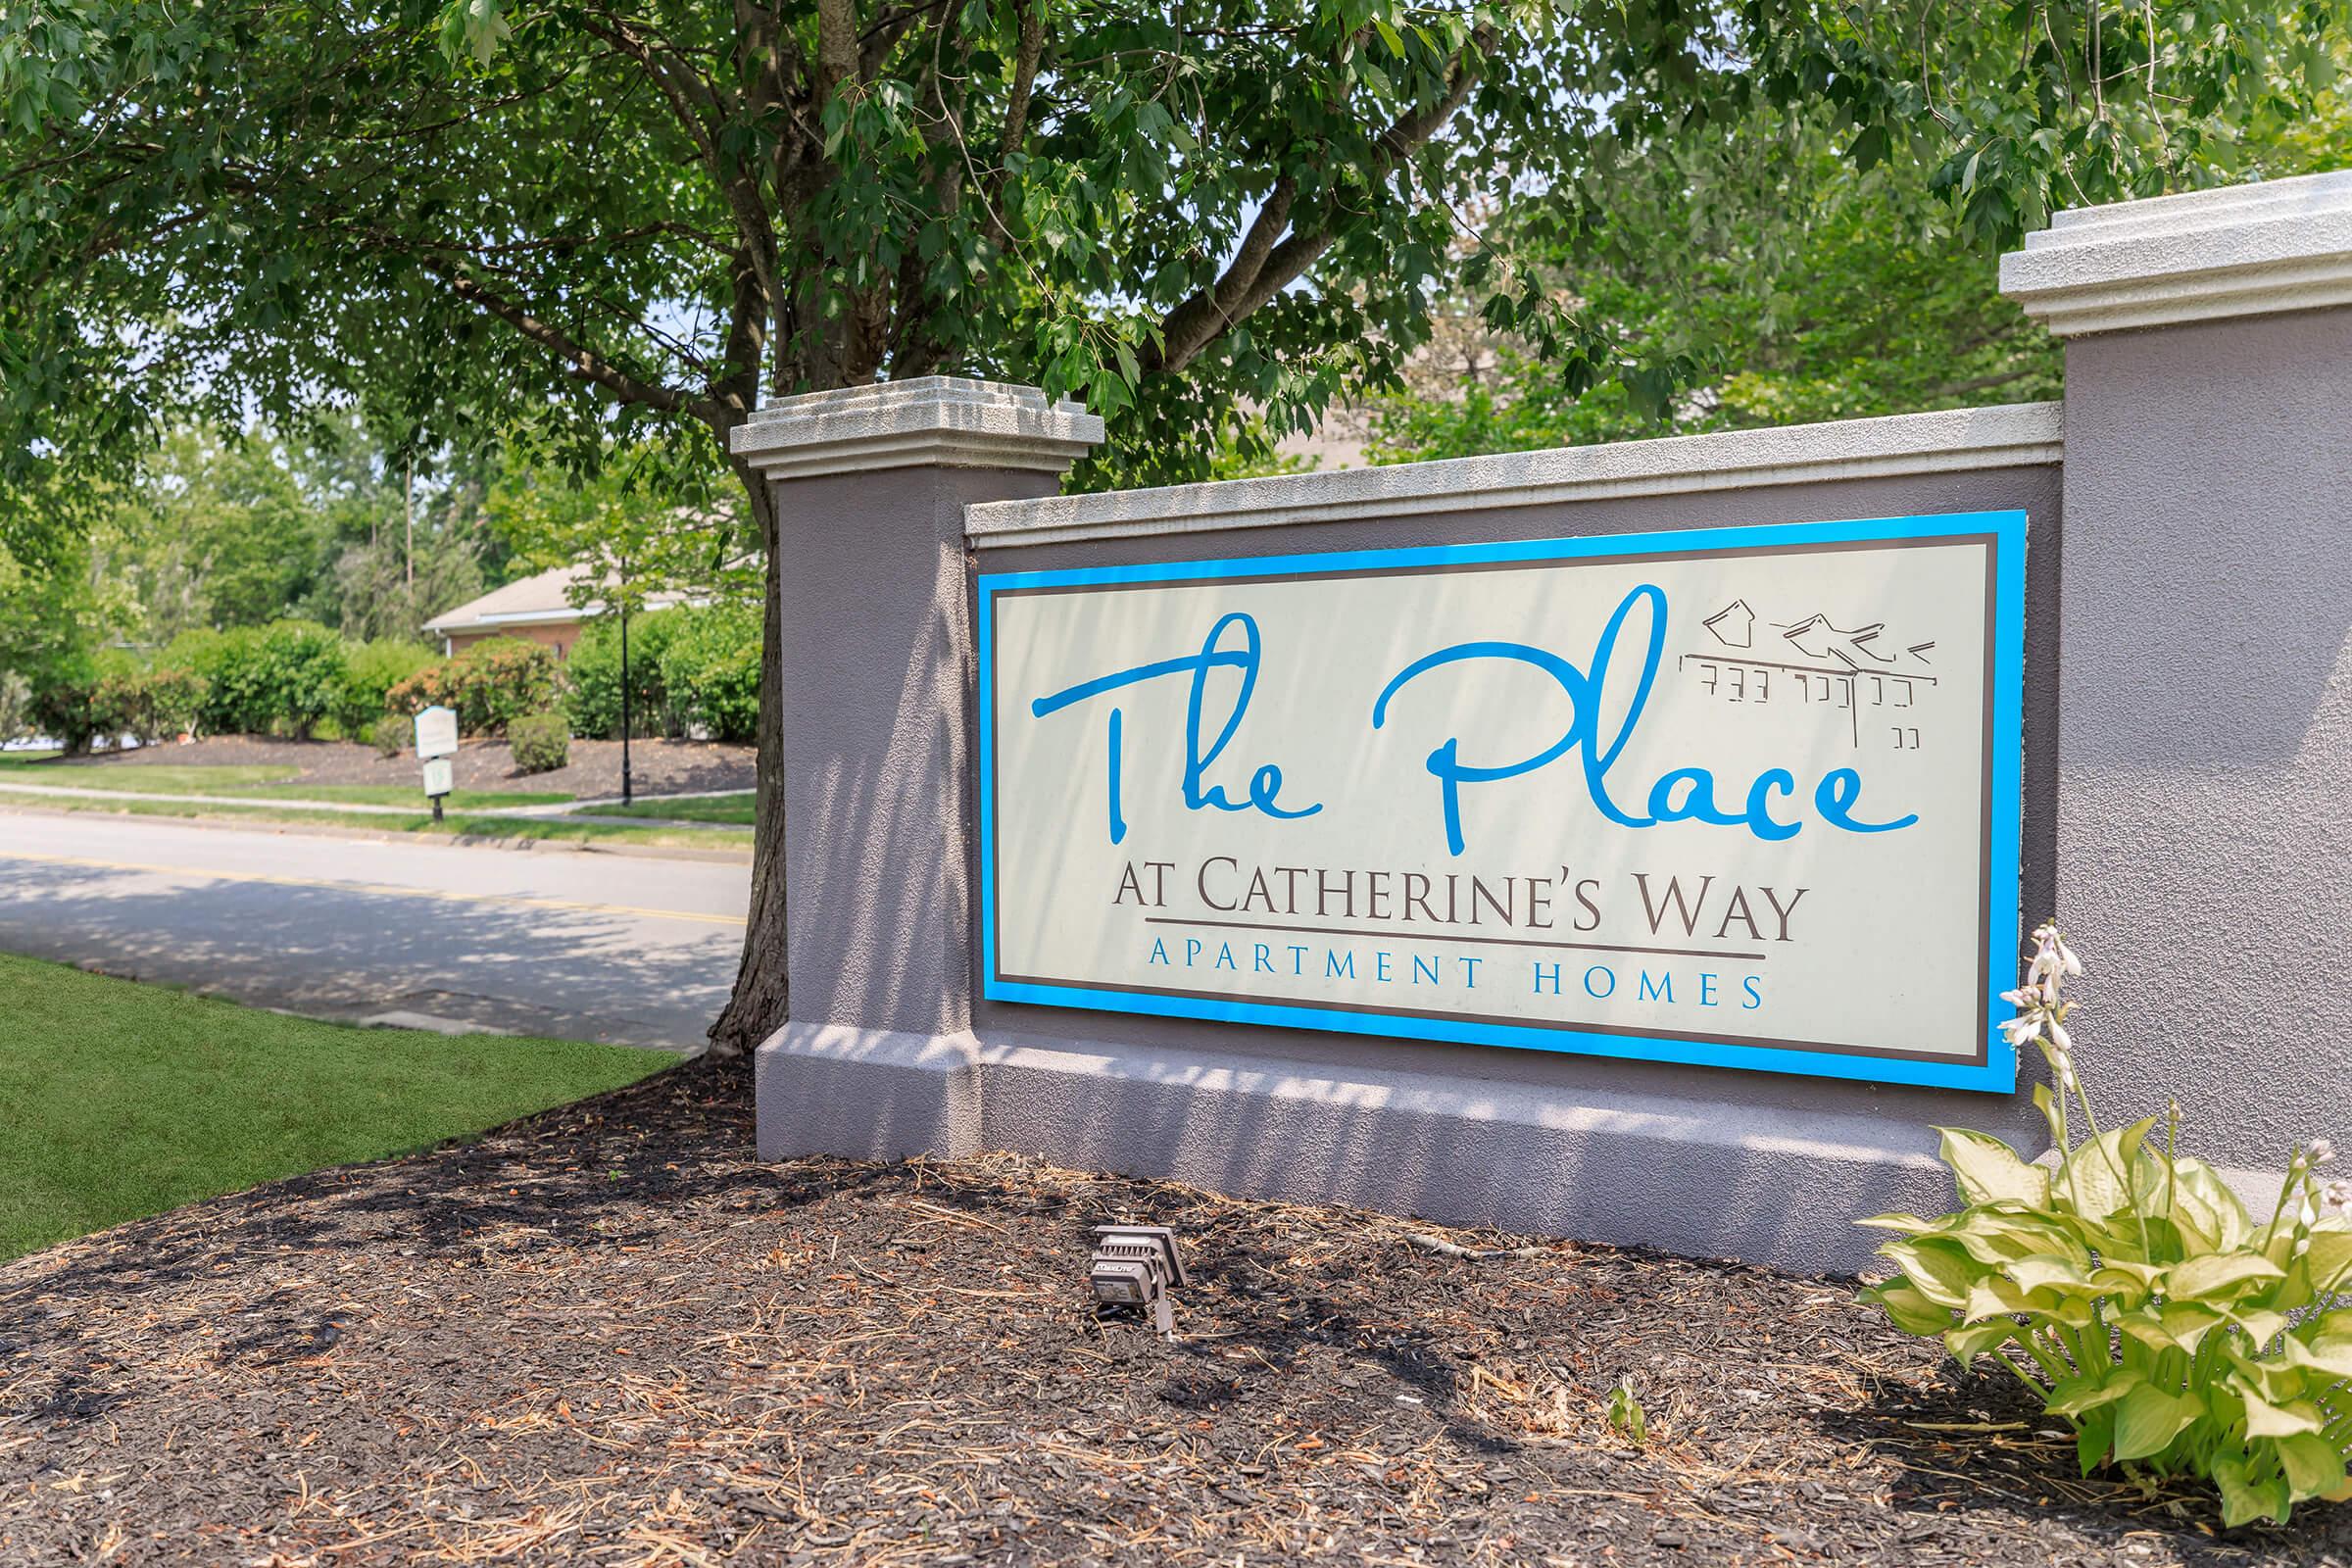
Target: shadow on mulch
607, 1331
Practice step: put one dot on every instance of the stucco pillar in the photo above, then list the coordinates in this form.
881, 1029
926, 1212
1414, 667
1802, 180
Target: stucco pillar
870, 484
2204, 797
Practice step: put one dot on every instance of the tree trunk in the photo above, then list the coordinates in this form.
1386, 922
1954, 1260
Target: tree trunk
762, 983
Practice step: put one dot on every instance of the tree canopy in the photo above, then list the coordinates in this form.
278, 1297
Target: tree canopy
579, 224
1780, 282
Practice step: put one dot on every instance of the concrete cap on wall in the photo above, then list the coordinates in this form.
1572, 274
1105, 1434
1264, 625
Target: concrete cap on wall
930, 421
1943, 441
2243, 250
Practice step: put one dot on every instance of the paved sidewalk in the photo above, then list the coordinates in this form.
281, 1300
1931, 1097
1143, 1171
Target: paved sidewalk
611, 947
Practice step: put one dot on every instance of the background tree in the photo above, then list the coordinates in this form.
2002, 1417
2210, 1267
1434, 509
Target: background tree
1784, 282
570, 221
629, 534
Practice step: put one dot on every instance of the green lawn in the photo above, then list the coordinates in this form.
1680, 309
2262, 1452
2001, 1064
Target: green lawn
733, 809
126, 1099
216, 778
160, 778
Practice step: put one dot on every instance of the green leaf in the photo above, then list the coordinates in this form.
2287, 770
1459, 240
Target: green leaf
2094, 1437
1938, 1270
2243, 1501
2262, 1325
2313, 1466
2220, 1276
1967, 1344
2267, 1420
2212, 1207
2053, 1111
2096, 1180
2174, 1326
1907, 1309
2049, 1272
2331, 1353
2088, 1391
1988, 1171
2148, 1420
2329, 1261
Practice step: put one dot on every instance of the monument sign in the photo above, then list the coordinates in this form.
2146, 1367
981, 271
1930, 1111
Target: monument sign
1738, 796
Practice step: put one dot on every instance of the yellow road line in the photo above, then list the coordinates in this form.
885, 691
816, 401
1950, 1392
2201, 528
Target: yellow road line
390, 890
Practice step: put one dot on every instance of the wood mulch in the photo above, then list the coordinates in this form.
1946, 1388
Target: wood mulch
656, 767
609, 1335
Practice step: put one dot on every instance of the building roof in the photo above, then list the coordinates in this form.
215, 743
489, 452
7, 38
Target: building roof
541, 600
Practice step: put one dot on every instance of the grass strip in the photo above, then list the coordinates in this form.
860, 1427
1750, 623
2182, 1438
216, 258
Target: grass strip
126, 1099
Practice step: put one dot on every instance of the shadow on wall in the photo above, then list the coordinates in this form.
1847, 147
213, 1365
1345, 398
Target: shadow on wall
2245, 679
1688, 1176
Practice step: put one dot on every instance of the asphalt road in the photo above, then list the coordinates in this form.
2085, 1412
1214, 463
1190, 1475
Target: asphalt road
619, 947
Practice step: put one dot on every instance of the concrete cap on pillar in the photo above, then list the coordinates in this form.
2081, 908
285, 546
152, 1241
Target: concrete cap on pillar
2243, 250
931, 420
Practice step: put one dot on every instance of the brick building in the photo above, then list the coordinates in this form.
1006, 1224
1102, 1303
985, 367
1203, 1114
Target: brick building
537, 608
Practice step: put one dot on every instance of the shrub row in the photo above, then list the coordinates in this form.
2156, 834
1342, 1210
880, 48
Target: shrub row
113, 695
490, 685
691, 670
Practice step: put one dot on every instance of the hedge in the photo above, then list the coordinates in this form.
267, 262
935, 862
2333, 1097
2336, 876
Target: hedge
260, 680
712, 669
592, 676
110, 696
369, 672
491, 684
692, 669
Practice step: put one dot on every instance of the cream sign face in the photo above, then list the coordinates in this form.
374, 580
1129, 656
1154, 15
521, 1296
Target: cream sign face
1741, 797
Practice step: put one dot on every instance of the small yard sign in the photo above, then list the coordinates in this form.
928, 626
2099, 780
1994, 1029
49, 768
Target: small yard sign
436, 732
438, 776
1740, 796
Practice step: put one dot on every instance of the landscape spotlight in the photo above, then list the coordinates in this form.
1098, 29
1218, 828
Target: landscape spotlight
1135, 1266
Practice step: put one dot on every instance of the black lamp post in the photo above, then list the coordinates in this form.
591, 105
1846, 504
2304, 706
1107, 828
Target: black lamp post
625, 680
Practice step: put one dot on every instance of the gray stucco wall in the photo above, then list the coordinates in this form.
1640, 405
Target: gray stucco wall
1770, 1202
878, 697
2204, 849
2186, 802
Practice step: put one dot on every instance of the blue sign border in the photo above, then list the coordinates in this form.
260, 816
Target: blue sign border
1995, 1073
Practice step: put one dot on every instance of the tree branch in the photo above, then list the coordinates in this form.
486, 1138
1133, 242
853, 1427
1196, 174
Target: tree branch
579, 361
1028, 50
1264, 268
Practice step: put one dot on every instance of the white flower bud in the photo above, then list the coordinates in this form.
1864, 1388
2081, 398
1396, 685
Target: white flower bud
2338, 1195
2322, 1151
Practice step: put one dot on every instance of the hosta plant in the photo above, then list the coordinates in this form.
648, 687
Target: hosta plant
2130, 1289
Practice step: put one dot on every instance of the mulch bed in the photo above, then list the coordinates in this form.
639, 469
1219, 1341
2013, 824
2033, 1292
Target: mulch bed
608, 1335
656, 767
